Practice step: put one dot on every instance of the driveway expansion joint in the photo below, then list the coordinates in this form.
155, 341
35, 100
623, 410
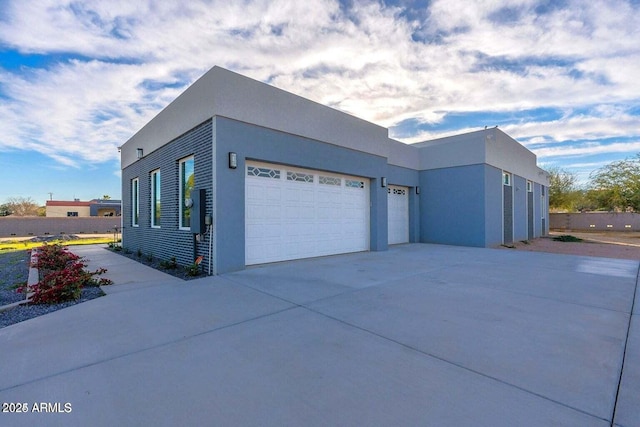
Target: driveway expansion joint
305, 306
624, 352
143, 350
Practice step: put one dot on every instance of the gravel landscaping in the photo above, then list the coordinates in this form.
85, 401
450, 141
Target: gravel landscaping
153, 262
14, 269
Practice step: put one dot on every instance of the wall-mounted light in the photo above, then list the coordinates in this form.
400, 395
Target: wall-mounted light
139, 153
383, 181
233, 160
417, 189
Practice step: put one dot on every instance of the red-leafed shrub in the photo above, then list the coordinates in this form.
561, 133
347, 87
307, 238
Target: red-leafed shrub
62, 276
53, 257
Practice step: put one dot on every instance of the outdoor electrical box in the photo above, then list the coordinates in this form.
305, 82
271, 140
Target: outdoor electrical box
198, 211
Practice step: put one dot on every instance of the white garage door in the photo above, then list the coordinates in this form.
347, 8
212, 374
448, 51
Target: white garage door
296, 213
398, 214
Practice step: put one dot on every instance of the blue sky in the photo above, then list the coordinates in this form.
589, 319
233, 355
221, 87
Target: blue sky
78, 78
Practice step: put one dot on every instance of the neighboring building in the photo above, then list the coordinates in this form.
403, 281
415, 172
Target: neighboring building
77, 208
243, 173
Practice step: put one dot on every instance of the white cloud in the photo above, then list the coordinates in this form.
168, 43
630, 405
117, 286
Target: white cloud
577, 128
588, 149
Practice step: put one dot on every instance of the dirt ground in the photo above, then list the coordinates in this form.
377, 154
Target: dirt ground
624, 245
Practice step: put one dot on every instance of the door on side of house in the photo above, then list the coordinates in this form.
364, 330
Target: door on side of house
398, 214
293, 213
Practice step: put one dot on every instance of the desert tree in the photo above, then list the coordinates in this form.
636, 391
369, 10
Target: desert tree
22, 206
564, 193
616, 186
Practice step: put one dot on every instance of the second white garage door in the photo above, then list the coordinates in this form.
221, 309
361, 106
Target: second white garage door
398, 214
296, 213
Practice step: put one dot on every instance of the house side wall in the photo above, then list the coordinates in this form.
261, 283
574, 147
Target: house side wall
61, 211
168, 241
460, 150
520, 214
493, 206
537, 211
506, 153
452, 206
252, 142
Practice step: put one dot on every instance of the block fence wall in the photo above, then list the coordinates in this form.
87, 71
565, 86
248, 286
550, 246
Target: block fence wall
595, 221
41, 226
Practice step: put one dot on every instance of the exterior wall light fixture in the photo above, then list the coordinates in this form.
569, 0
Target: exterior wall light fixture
383, 181
233, 160
417, 189
139, 153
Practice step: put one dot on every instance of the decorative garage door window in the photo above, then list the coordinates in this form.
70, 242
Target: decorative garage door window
398, 191
306, 213
329, 180
353, 184
263, 172
299, 176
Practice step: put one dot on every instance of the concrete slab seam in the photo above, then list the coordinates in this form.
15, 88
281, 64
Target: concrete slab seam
449, 362
414, 349
624, 352
142, 350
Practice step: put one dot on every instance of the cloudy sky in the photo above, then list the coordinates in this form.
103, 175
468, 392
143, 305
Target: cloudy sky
78, 78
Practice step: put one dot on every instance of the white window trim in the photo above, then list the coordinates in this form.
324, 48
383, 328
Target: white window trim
181, 162
135, 202
508, 176
153, 195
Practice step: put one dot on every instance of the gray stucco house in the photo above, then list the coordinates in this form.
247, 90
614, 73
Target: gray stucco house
242, 173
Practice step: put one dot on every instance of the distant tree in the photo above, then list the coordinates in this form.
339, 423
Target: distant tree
22, 206
563, 190
5, 210
106, 197
616, 186
42, 211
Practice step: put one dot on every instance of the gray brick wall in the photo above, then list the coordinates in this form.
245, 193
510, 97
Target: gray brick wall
41, 226
168, 241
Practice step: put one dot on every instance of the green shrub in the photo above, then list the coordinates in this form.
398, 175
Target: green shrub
172, 264
193, 269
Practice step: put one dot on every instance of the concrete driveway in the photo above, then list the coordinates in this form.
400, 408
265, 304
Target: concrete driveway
418, 335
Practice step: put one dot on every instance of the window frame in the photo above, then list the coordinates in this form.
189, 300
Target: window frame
506, 178
135, 202
183, 224
156, 198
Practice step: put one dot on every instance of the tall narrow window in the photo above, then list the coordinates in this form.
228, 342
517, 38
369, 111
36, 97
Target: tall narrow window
187, 181
155, 198
135, 202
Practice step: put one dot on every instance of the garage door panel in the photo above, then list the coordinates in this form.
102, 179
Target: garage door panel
303, 213
398, 214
